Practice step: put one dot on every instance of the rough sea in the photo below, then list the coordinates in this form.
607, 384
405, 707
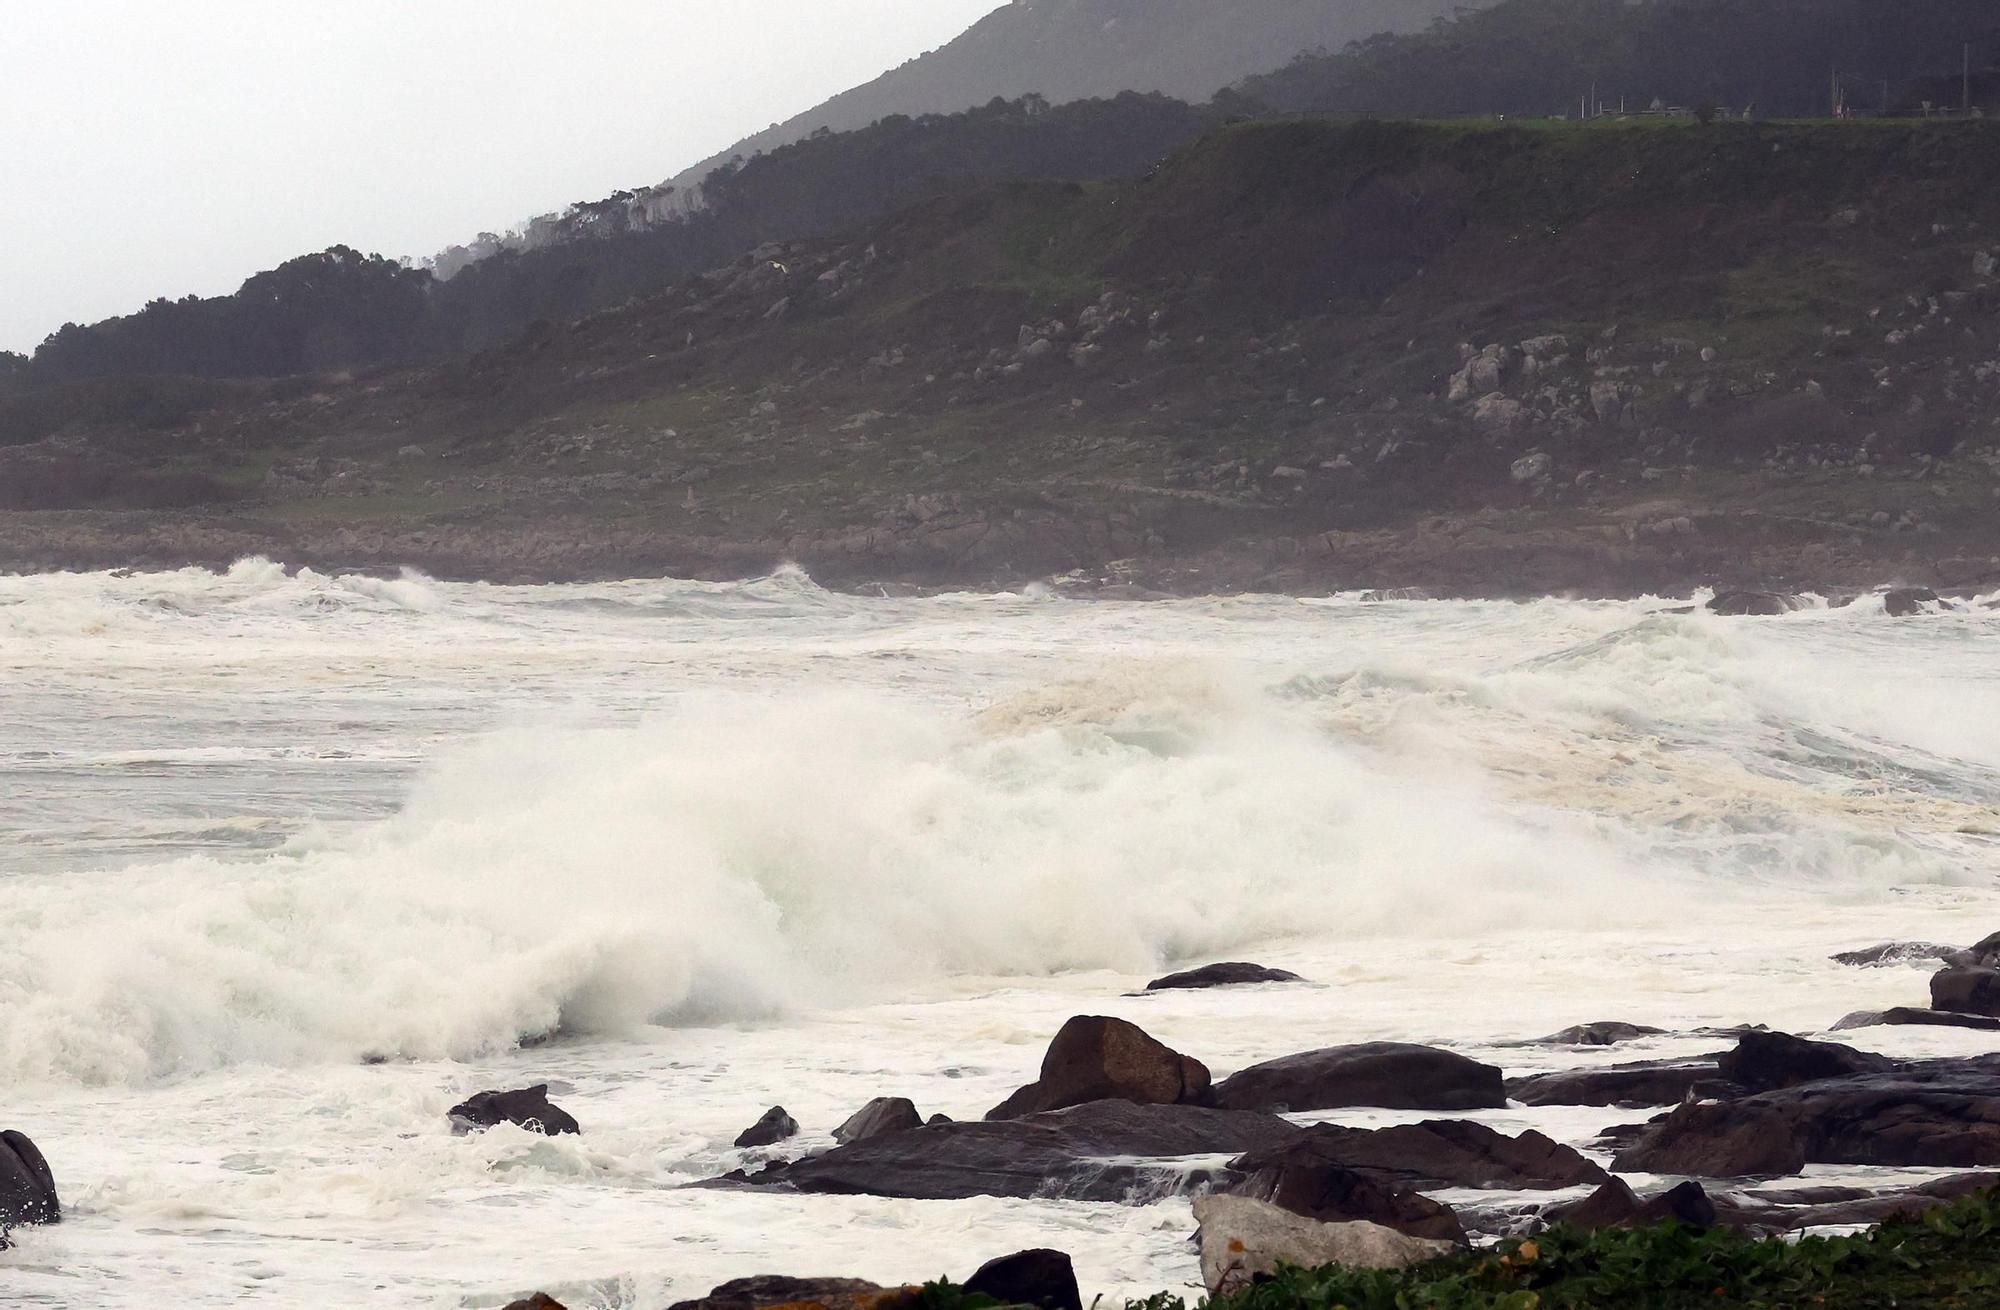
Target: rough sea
290, 863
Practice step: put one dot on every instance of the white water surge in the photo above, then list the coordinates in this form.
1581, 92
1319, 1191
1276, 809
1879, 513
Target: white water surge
289, 863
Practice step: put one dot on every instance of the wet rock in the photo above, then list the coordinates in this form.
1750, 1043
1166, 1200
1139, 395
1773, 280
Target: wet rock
539, 1301
1242, 1240
776, 1126
1765, 1061
1903, 602
1909, 1016
1388, 1075
1330, 1194
1232, 974
1718, 1139
1101, 1151
1740, 603
1967, 990
766, 1293
527, 1108
1860, 1207
1893, 953
1434, 1153
27, 1185
880, 1117
1604, 1033
1095, 1059
1943, 1113
1045, 1279
1649, 1082
1984, 954
1616, 1205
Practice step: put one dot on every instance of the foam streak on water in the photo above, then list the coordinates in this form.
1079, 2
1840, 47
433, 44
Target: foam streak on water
710, 847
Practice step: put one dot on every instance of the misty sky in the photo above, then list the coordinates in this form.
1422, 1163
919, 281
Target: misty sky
163, 147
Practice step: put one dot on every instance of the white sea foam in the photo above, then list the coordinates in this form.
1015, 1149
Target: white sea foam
733, 844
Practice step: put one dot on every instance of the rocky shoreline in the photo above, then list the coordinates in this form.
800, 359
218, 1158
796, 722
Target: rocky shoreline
1115, 1116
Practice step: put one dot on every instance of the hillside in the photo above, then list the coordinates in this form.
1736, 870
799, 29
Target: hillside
341, 309
1300, 355
1543, 57
1068, 50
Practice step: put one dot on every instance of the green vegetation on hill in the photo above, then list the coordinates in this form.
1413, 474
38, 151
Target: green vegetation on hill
1943, 1260
1543, 57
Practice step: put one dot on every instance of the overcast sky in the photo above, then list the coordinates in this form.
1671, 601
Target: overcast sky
163, 147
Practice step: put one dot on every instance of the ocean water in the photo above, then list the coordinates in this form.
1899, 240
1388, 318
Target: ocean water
289, 863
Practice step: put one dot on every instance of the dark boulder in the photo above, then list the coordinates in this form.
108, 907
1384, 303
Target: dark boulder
1603, 1033
1908, 1016
1894, 953
879, 1118
1983, 954
1045, 1279
1616, 1205
776, 1126
1101, 1151
1967, 990
765, 1293
1752, 602
1903, 602
1717, 1139
1387, 1075
1765, 1061
1221, 975
1943, 1113
1330, 1194
1649, 1082
539, 1301
1434, 1153
1822, 1207
527, 1108
1097, 1059
27, 1185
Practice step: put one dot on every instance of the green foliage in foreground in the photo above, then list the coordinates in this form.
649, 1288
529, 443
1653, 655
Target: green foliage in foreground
1948, 1259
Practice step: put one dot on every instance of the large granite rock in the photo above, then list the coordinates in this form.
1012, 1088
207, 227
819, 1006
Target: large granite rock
1967, 990
776, 1126
1242, 1240
879, 1118
1648, 1082
1942, 1114
528, 1108
1434, 1153
1904, 1015
1101, 1151
1329, 1193
1043, 1279
1605, 1032
1389, 1075
27, 1185
1766, 1061
1232, 974
1616, 1205
1098, 1059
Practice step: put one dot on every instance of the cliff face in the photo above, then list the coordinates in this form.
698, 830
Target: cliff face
1078, 49
1300, 355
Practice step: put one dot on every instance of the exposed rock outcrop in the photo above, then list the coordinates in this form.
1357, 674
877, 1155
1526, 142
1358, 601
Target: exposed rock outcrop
776, 1126
1648, 1082
1042, 1278
1434, 1153
879, 1118
528, 1108
27, 1185
1100, 1151
1242, 1239
1096, 1059
1390, 1075
1234, 974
